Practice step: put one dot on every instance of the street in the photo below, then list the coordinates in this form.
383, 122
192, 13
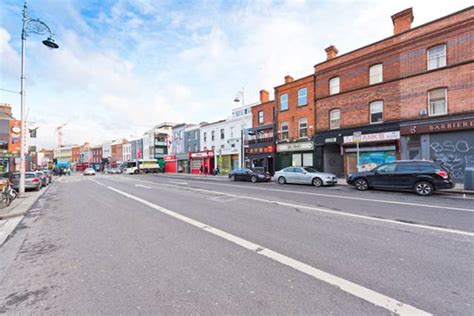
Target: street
204, 245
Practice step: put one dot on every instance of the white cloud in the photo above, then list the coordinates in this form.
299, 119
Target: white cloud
9, 58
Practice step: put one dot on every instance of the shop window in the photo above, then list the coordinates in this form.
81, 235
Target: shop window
376, 74
303, 127
436, 57
284, 102
437, 100
335, 119
308, 159
213, 135
376, 112
302, 97
334, 85
296, 160
284, 130
222, 133
260, 117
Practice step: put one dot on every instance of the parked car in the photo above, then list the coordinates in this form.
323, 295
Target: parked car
89, 172
422, 176
113, 171
305, 175
49, 175
43, 178
245, 174
32, 182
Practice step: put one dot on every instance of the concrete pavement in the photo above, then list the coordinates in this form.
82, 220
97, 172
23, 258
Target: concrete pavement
128, 245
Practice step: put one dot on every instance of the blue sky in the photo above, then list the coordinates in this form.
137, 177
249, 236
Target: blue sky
126, 65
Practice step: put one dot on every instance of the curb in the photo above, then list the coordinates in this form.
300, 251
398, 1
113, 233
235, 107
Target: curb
23, 213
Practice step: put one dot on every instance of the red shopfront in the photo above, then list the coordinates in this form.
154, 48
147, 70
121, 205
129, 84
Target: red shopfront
202, 158
171, 163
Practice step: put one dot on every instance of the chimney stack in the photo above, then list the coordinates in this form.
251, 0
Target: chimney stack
264, 96
288, 78
331, 52
402, 21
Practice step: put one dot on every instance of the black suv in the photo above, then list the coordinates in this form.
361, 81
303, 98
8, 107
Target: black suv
249, 175
422, 176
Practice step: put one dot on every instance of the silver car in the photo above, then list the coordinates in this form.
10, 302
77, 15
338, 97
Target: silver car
305, 175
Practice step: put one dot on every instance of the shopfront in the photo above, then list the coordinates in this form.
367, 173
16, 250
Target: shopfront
260, 158
295, 154
228, 160
204, 159
183, 162
449, 140
171, 163
336, 150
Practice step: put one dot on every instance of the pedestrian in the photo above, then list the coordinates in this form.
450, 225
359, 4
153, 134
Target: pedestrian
205, 171
201, 169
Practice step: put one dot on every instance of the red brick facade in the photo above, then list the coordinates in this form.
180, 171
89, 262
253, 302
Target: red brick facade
406, 80
295, 112
267, 108
75, 153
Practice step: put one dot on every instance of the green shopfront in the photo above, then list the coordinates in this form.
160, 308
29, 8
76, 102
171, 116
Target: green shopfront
295, 154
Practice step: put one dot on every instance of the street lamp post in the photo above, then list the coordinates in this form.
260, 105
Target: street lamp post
242, 149
30, 26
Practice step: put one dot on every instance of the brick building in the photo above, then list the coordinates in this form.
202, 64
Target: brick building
418, 76
260, 139
116, 151
75, 154
294, 102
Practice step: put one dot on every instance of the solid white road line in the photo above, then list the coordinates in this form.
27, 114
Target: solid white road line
142, 186
359, 291
317, 209
255, 187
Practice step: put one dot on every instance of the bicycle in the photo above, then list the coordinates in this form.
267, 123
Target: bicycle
8, 194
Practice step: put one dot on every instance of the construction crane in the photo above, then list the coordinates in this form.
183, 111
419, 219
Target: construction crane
59, 135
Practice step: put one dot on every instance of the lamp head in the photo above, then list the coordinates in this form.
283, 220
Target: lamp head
49, 42
236, 99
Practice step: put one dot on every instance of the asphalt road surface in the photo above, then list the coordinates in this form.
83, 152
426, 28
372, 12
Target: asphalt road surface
184, 245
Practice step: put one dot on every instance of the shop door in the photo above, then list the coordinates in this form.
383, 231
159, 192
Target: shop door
270, 165
285, 161
332, 160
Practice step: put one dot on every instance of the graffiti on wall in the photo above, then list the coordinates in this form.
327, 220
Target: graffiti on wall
456, 151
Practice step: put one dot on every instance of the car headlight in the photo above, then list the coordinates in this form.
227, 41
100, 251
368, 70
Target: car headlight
261, 176
328, 178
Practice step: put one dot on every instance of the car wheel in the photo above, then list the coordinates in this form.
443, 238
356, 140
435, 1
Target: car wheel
232, 178
361, 184
317, 182
136, 172
424, 188
281, 180
253, 179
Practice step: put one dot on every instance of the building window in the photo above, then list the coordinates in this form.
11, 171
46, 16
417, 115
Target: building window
260, 117
222, 133
438, 102
334, 85
284, 102
204, 136
302, 97
232, 132
213, 135
189, 148
376, 112
284, 130
196, 135
335, 119
376, 74
436, 57
303, 127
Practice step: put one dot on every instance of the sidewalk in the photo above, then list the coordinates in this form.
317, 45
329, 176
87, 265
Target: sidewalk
12, 215
458, 189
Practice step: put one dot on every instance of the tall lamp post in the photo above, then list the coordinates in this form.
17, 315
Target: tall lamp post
242, 149
30, 26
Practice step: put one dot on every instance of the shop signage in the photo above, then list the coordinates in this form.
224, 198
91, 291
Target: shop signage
169, 157
437, 127
15, 132
376, 137
331, 140
356, 137
202, 154
295, 146
231, 151
259, 150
